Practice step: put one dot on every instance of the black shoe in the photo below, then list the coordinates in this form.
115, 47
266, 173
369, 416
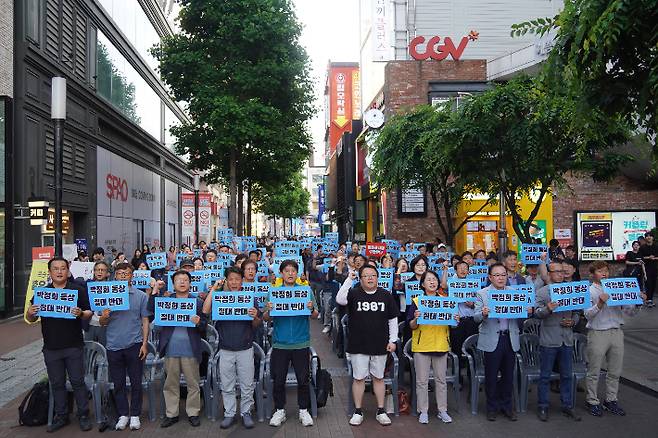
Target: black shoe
614, 408
58, 423
555, 387
542, 413
491, 416
595, 410
511, 415
571, 413
227, 422
85, 423
194, 421
169, 421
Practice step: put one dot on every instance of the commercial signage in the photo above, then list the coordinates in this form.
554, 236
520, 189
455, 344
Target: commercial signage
43, 253
375, 249
609, 235
382, 32
50, 224
187, 226
205, 210
341, 101
438, 51
412, 202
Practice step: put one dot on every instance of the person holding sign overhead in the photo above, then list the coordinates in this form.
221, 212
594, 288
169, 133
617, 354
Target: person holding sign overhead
373, 332
555, 343
236, 352
499, 340
181, 348
605, 341
429, 344
291, 340
127, 336
63, 347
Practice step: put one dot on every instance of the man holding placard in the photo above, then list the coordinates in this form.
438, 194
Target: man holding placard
94, 331
291, 340
555, 343
180, 345
373, 332
127, 336
236, 336
499, 339
605, 341
61, 328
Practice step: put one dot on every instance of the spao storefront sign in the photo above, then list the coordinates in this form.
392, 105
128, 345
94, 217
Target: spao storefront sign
437, 51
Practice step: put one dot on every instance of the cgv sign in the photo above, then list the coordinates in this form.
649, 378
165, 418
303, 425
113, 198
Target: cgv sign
437, 51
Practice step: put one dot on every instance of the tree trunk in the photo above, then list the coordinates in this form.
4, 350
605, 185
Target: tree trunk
232, 207
240, 207
249, 208
274, 221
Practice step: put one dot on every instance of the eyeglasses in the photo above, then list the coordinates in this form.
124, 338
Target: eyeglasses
557, 271
369, 276
499, 275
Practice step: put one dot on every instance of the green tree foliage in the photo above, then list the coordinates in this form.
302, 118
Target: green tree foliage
114, 86
289, 200
416, 150
239, 66
517, 139
606, 54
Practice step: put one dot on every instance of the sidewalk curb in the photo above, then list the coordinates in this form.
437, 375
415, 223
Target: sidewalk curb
639, 387
11, 319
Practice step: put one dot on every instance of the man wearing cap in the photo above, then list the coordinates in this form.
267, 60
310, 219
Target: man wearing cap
126, 344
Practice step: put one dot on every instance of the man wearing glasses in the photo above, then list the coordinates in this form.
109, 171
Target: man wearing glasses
555, 343
127, 337
499, 340
372, 334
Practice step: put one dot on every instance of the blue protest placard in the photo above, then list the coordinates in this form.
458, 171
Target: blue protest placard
298, 259
416, 246
261, 292
197, 287
157, 260
232, 306
111, 295
622, 291
176, 312
507, 304
286, 252
211, 276
385, 278
570, 296
55, 303
531, 253
478, 270
290, 301
179, 258
331, 236
436, 310
463, 289
141, 279
406, 276
226, 258
480, 262
482, 278
409, 255
197, 253
215, 266
529, 290
412, 289
263, 269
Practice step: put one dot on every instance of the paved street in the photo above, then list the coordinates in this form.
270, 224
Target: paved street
641, 420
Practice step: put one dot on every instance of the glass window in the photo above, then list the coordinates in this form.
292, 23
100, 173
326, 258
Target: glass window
135, 25
170, 121
118, 82
3, 128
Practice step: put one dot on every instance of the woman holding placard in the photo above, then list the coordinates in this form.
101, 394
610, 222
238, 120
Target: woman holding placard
430, 345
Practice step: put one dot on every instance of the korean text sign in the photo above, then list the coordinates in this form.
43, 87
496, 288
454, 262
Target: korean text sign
111, 295
261, 291
290, 301
529, 289
175, 312
463, 289
55, 303
570, 296
385, 278
531, 253
412, 289
508, 304
622, 291
142, 278
232, 306
437, 310
156, 260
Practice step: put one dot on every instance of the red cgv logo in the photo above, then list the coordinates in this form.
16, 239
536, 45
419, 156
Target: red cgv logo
117, 188
437, 51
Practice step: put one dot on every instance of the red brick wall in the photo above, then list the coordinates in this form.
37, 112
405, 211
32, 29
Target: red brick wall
407, 85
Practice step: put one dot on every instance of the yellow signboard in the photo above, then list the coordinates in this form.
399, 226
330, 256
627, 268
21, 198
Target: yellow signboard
38, 278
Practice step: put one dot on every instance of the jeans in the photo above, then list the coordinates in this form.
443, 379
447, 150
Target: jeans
59, 363
326, 308
547, 357
279, 362
121, 362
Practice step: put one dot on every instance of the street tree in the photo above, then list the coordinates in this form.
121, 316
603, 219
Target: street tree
518, 140
416, 149
287, 200
245, 78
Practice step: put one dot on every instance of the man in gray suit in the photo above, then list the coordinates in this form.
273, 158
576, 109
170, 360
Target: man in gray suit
499, 339
555, 342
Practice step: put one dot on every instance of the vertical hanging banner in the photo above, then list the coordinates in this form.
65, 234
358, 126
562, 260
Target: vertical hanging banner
38, 279
187, 228
381, 32
176, 312
205, 218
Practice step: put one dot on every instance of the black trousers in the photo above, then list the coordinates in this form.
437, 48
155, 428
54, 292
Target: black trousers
651, 282
59, 363
121, 362
279, 362
499, 393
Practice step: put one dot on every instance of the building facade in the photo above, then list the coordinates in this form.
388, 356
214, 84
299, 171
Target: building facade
122, 179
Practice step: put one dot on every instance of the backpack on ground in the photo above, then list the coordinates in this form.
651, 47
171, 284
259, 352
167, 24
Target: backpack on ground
33, 410
110, 412
324, 385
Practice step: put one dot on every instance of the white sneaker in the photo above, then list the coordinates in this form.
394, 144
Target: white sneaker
383, 419
305, 418
443, 416
122, 423
134, 423
320, 316
326, 330
423, 418
278, 418
356, 419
